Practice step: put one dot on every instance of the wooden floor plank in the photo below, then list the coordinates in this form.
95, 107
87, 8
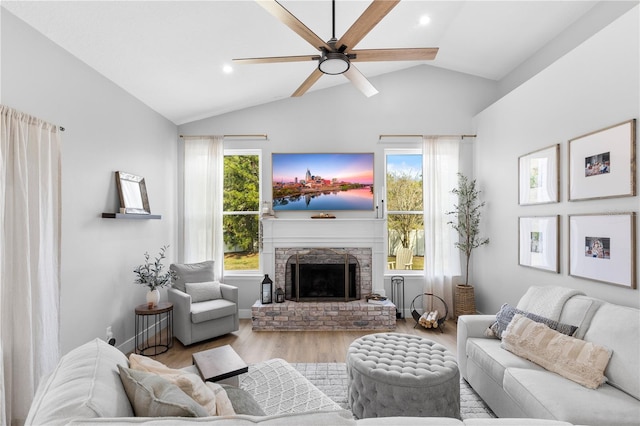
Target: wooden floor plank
297, 346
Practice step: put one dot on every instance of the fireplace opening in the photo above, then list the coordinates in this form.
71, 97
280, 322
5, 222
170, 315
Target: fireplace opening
322, 275
323, 281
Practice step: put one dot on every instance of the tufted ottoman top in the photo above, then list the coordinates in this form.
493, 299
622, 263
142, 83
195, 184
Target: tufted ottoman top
402, 359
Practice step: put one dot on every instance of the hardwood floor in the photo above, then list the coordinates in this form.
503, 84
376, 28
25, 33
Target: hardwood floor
297, 346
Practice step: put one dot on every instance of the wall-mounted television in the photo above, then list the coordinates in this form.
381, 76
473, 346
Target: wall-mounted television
322, 182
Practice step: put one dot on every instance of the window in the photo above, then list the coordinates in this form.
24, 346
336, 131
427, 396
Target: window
241, 205
405, 211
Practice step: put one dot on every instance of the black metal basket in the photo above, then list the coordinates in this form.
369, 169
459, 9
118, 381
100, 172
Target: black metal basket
416, 315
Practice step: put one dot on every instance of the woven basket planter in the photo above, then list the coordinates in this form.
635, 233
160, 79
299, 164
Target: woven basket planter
465, 301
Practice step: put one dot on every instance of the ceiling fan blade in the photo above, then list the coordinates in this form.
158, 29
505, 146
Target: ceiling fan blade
360, 81
275, 59
409, 54
306, 85
365, 23
287, 18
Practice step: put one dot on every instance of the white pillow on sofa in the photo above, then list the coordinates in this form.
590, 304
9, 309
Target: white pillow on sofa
201, 292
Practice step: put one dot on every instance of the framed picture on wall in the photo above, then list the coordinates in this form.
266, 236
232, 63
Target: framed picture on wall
602, 247
538, 176
539, 242
602, 163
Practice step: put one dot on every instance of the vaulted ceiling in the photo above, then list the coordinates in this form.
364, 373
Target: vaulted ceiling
171, 54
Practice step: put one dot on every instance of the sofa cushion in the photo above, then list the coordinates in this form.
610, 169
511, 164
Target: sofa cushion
507, 312
577, 360
84, 384
191, 273
317, 418
489, 355
200, 292
543, 394
212, 309
618, 327
152, 396
579, 310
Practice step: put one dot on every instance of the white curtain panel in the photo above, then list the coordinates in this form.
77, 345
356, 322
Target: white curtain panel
29, 257
440, 157
203, 186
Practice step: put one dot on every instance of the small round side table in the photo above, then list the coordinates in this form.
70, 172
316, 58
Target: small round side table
151, 338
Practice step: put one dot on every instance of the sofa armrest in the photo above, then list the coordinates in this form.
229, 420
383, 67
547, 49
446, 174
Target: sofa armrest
229, 292
474, 325
470, 326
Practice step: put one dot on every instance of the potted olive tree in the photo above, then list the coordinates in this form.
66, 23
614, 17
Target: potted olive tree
467, 224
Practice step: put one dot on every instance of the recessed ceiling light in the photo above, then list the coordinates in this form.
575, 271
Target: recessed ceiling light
424, 20
227, 69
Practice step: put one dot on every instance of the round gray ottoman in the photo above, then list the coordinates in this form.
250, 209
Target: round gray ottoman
394, 374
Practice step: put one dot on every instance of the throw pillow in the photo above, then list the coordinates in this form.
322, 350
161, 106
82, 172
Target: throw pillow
577, 360
210, 395
243, 402
506, 314
201, 292
152, 396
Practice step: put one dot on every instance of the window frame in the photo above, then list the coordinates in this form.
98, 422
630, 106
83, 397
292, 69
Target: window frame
247, 151
390, 152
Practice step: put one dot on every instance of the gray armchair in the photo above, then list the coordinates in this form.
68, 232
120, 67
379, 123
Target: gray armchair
202, 308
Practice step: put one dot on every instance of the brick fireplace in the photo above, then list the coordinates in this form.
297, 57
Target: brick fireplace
360, 241
358, 259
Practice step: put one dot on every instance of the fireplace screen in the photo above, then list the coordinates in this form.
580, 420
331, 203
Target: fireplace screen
322, 275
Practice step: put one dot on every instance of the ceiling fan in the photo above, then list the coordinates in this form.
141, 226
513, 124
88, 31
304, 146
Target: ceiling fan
336, 56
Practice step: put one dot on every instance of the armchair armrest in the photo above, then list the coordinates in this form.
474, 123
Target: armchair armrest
229, 292
181, 313
470, 326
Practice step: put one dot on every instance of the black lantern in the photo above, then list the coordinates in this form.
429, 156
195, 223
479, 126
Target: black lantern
279, 295
266, 292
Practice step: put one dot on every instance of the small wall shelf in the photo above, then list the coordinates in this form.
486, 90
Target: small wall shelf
130, 216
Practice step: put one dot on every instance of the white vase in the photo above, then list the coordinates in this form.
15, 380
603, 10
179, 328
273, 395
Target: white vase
153, 298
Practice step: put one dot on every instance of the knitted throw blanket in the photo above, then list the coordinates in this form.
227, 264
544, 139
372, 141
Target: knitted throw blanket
279, 388
546, 301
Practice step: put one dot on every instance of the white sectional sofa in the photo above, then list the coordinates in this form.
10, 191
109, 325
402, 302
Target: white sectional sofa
515, 387
85, 388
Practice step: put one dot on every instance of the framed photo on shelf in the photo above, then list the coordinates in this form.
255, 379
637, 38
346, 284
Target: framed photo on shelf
602, 163
538, 176
602, 247
539, 242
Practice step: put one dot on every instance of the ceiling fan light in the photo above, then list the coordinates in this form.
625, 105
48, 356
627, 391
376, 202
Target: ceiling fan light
334, 63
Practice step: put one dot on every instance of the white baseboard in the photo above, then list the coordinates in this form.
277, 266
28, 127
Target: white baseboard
128, 345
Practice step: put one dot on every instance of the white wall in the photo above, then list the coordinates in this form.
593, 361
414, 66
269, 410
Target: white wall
594, 86
106, 130
419, 100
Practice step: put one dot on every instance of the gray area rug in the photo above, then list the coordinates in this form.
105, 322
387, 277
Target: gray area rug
331, 378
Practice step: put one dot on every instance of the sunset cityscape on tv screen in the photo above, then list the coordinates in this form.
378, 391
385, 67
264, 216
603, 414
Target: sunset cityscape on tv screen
323, 182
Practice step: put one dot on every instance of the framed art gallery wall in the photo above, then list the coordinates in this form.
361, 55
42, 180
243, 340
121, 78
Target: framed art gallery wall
574, 96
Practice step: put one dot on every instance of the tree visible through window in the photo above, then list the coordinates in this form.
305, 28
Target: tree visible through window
405, 211
241, 203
